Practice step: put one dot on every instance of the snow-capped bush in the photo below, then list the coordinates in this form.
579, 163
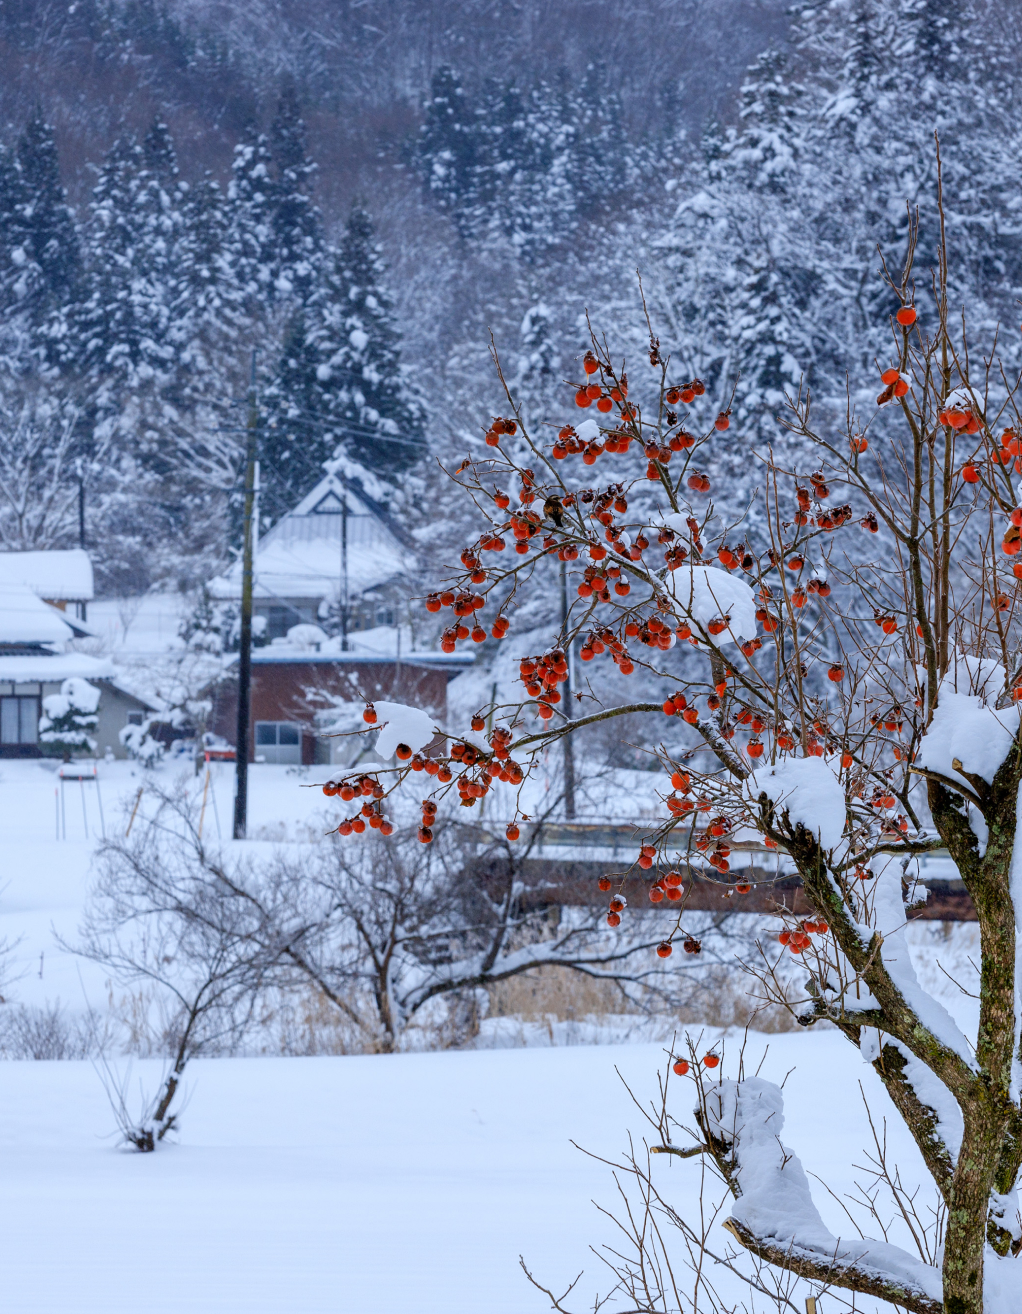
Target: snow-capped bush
140, 745
68, 717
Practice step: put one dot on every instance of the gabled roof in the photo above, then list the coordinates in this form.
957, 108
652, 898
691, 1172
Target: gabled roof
26, 619
301, 556
364, 492
61, 574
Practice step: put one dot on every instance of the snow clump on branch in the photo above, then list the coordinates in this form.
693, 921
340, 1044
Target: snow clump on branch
402, 725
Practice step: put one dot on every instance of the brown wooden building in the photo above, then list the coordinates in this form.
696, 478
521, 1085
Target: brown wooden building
293, 693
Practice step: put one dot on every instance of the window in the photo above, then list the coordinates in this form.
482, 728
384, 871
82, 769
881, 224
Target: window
278, 622
278, 742
135, 718
19, 720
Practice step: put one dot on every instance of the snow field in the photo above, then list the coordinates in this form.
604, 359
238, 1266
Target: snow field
44, 881
369, 1185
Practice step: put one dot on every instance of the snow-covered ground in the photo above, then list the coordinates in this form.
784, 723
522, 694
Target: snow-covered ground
368, 1185
45, 879
147, 624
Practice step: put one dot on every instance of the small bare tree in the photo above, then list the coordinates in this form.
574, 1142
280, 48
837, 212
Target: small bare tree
406, 925
382, 932
156, 919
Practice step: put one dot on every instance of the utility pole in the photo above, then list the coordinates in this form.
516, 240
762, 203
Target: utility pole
568, 739
245, 653
255, 518
344, 562
83, 605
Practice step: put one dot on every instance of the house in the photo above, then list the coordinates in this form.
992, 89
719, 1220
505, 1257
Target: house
61, 577
35, 661
296, 690
339, 551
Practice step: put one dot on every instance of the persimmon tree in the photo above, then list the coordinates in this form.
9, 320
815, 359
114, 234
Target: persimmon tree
843, 657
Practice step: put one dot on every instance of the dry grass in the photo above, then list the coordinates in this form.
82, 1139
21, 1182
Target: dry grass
728, 999
718, 998
555, 992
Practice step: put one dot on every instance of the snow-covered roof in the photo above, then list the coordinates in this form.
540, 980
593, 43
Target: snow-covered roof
25, 618
61, 574
58, 667
286, 654
301, 556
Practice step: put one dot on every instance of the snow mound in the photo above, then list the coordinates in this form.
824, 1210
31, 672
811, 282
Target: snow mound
705, 593
402, 725
306, 636
775, 1202
983, 676
808, 791
588, 431
966, 726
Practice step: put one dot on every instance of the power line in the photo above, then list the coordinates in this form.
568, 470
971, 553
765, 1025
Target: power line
316, 420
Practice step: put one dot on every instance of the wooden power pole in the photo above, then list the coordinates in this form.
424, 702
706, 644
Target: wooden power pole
567, 740
245, 652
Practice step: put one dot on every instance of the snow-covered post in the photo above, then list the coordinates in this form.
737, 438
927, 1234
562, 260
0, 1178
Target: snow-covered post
838, 676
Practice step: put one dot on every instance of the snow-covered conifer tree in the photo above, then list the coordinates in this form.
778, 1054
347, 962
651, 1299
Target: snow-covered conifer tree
69, 719
250, 234
295, 219
447, 148
51, 248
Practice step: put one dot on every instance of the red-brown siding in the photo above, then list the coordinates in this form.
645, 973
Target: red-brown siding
295, 690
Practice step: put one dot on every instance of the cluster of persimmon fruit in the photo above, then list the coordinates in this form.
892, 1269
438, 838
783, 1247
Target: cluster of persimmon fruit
476, 770
368, 787
681, 1065
670, 885
541, 675
550, 519
798, 939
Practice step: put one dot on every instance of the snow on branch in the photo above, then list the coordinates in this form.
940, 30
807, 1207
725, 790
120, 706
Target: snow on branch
968, 738
808, 791
402, 725
774, 1215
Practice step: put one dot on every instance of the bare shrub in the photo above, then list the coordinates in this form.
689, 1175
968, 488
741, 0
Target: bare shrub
47, 1031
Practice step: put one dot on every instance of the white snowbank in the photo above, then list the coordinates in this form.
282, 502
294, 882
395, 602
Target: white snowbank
807, 789
306, 636
706, 593
404, 725
775, 1201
